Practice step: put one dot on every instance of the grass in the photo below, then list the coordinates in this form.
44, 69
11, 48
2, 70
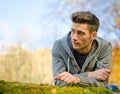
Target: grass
30, 88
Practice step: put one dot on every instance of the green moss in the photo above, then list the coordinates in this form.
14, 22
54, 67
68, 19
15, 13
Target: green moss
99, 90
29, 88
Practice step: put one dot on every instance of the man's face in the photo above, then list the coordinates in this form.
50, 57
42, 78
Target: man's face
81, 37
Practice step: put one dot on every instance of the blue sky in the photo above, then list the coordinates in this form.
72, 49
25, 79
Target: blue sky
20, 22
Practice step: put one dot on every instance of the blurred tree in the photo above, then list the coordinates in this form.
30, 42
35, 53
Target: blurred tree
16, 64
108, 11
117, 18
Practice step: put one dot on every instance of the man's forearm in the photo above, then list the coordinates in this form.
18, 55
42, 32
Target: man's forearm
101, 74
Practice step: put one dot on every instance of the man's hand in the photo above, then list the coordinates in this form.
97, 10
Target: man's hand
101, 74
68, 78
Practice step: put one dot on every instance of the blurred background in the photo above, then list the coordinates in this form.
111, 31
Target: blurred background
28, 29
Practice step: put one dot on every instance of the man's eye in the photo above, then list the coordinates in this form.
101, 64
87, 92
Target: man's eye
80, 33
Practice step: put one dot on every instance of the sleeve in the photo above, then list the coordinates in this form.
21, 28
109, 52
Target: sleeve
103, 61
58, 65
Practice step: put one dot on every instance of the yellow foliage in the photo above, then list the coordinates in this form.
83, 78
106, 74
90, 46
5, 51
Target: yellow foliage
115, 75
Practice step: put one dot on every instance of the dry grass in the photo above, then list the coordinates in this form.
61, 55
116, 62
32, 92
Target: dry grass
20, 65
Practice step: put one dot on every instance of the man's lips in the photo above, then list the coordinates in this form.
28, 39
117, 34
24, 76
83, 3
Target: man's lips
75, 43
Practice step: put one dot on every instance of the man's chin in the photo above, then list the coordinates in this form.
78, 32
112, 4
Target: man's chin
75, 47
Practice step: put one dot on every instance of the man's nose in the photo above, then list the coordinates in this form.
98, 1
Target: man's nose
74, 36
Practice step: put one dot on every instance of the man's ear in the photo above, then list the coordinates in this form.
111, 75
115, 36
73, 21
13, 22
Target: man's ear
94, 35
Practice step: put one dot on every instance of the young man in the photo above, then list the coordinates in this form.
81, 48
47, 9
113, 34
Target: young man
81, 57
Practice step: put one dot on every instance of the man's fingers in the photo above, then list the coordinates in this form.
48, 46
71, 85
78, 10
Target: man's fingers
57, 78
65, 77
67, 80
106, 72
109, 70
103, 74
62, 76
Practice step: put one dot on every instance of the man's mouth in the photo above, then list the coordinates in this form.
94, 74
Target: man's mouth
75, 43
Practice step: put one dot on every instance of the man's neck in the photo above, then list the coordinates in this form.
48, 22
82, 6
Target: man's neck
85, 50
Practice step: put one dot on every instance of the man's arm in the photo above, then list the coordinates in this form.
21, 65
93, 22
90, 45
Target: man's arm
101, 74
98, 75
58, 65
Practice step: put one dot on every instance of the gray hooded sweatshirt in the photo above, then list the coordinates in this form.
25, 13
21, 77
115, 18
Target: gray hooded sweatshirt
63, 60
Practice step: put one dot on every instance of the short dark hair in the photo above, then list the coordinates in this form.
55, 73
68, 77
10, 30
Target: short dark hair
86, 17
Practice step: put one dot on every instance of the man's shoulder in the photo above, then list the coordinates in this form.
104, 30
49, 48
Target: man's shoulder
61, 41
57, 42
102, 42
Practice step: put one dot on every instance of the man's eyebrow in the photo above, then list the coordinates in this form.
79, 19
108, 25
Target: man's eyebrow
77, 30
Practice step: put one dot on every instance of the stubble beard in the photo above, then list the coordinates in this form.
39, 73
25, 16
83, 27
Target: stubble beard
84, 49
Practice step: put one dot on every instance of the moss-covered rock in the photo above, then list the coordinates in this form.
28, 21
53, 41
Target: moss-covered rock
29, 88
